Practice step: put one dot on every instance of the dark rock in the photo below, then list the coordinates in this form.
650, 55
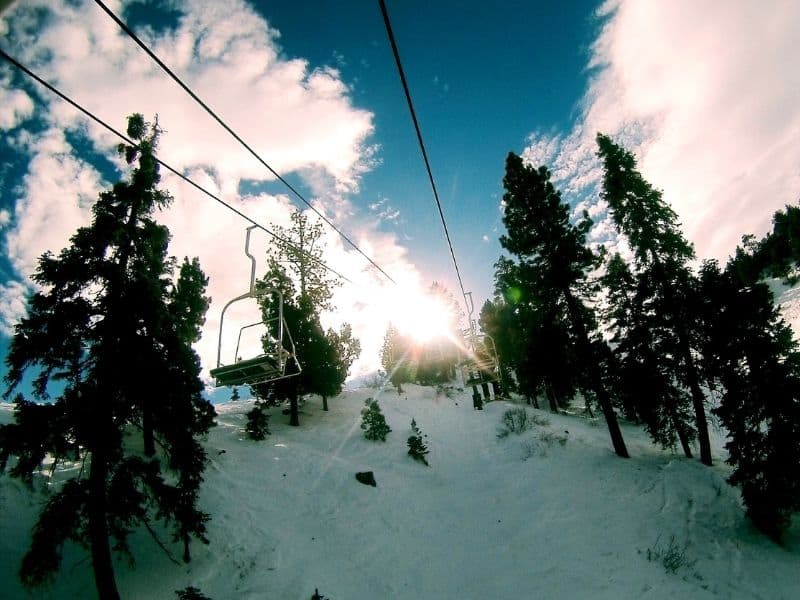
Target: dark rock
367, 478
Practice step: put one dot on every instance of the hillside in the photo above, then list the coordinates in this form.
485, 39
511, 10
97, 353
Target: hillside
548, 513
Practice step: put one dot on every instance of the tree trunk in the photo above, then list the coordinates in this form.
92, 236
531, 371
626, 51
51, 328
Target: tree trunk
587, 408
294, 411
687, 451
585, 351
551, 397
324, 403
147, 433
98, 532
611, 417
698, 401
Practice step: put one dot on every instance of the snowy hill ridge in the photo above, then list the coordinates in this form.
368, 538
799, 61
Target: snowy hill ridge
548, 513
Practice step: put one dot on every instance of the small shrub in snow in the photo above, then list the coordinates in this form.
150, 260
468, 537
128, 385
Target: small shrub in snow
446, 390
672, 557
519, 420
550, 437
191, 593
257, 427
541, 442
375, 380
373, 422
416, 444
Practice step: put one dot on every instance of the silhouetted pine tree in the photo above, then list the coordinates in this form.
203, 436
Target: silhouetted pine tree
191, 593
497, 319
114, 331
257, 426
549, 276
666, 286
417, 448
750, 352
776, 255
644, 381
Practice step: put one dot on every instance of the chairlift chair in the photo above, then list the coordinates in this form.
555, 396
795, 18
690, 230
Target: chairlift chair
482, 364
271, 365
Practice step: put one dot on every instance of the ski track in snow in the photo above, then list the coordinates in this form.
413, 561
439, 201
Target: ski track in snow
491, 518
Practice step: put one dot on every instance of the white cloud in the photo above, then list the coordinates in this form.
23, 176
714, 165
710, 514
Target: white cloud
708, 97
59, 192
13, 305
15, 106
300, 120
5, 218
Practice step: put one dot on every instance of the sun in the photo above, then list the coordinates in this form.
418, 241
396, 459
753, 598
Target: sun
422, 317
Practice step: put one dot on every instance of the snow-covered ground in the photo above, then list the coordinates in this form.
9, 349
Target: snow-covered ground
549, 513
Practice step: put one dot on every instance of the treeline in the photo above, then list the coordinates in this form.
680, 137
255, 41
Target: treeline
650, 336
776, 255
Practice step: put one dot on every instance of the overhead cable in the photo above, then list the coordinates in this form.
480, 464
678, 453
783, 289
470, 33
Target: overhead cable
401, 72
227, 128
197, 186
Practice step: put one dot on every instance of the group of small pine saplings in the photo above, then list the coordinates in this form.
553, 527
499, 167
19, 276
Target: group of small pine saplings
375, 428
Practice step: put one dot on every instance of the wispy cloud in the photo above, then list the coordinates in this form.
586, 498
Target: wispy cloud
708, 97
384, 211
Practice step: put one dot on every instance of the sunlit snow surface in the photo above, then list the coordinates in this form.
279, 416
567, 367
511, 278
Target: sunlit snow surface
518, 517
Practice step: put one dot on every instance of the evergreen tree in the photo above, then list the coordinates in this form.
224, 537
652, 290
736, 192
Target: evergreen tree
417, 448
343, 350
113, 331
644, 379
751, 354
297, 270
549, 277
257, 426
666, 288
776, 255
396, 357
497, 319
235, 394
373, 422
191, 593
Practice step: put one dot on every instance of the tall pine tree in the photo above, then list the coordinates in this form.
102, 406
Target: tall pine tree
751, 355
549, 274
644, 380
666, 289
113, 331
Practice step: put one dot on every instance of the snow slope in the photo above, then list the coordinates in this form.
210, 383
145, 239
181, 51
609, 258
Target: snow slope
525, 516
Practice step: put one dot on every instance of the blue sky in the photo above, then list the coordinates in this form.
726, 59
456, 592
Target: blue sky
481, 81
706, 94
